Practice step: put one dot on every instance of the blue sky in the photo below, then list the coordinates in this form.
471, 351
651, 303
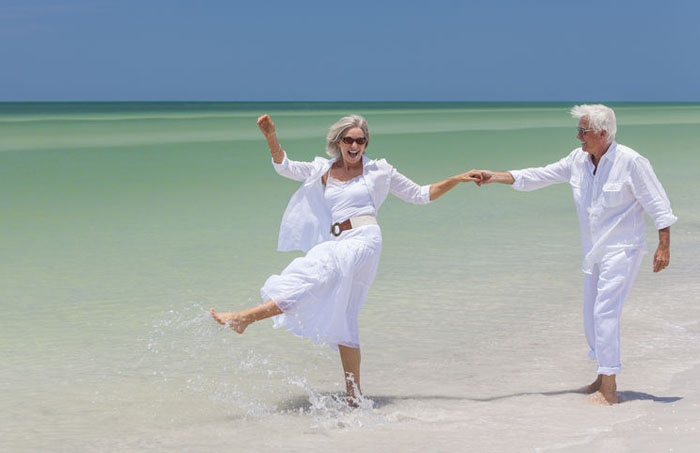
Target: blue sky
497, 50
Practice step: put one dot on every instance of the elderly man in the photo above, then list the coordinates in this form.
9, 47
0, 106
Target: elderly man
613, 186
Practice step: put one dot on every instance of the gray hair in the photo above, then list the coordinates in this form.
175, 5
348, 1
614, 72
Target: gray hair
600, 118
337, 131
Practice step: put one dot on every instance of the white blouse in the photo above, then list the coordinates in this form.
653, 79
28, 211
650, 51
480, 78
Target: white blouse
610, 203
307, 219
347, 199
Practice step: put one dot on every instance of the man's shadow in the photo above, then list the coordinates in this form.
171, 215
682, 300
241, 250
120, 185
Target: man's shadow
302, 403
632, 396
624, 397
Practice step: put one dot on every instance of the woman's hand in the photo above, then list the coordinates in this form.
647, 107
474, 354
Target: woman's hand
471, 176
267, 127
440, 188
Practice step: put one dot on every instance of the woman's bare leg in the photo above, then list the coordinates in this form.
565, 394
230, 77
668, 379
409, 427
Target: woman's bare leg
350, 358
239, 320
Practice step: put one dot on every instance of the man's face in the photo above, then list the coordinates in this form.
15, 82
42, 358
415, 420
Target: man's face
591, 141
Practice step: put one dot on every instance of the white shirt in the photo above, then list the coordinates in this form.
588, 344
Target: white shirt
307, 220
611, 203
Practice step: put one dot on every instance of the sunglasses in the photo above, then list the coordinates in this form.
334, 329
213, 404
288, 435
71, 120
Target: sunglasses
350, 140
583, 131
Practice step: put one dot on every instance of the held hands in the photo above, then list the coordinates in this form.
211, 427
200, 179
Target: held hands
470, 176
481, 176
442, 187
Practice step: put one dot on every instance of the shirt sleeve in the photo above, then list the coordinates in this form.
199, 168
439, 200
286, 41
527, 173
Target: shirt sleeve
408, 190
651, 195
537, 178
298, 171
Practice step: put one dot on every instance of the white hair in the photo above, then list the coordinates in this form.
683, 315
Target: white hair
337, 132
600, 118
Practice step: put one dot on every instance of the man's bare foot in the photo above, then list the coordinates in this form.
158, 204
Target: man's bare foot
606, 394
232, 319
594, 387
600, 399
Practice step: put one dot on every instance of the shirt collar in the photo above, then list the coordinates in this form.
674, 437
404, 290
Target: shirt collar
610, 153
366, 161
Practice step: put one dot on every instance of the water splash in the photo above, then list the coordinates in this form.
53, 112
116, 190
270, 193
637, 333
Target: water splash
188, 355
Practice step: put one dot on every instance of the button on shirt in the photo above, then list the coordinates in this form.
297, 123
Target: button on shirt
610, 203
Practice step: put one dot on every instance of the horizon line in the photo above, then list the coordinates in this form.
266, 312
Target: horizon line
355, 101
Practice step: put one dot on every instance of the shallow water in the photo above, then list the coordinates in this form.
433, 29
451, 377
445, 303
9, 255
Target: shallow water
121, 224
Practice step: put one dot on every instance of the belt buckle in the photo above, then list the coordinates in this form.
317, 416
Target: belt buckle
336, 227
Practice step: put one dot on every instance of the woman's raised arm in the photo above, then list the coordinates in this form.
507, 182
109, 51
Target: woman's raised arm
297, 171
267, 127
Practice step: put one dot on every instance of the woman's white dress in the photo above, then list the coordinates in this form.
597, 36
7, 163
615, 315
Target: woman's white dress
322, 292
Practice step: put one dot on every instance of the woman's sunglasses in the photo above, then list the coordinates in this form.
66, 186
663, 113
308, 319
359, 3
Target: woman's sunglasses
350, 140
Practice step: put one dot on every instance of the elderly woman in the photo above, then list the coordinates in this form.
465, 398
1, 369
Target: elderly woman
332, 218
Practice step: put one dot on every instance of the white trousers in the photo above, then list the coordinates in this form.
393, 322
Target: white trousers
605, 291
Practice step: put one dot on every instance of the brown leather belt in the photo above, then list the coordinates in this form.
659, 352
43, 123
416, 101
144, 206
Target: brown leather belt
349, 224
339, 227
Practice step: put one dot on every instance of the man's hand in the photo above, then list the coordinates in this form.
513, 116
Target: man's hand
663, 251
661, 258
488, 177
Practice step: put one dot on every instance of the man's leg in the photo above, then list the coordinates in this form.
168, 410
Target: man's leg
590, 292
617, 273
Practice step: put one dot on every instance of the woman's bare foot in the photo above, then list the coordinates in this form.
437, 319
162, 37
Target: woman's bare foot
352, 401
232, 319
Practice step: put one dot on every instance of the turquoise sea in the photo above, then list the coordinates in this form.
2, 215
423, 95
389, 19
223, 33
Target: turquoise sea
122, 223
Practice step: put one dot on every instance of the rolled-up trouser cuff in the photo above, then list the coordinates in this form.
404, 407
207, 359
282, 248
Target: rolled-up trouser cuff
606, 370
609, 371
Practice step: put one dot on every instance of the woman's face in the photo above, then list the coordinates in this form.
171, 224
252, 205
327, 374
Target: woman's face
352, 152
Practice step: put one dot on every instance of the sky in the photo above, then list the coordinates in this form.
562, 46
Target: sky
429, 50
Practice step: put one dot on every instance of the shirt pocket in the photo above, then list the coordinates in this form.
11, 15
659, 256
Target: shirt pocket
576, 187
614, 194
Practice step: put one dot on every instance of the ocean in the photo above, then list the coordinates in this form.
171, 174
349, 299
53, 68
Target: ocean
121, 224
